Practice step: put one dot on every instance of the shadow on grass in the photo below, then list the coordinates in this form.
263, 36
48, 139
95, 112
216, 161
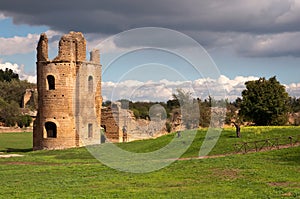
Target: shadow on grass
9, 150
69, 155
294, 159
290, 156
232, 136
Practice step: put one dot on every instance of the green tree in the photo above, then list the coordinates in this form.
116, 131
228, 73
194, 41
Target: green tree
14, 90
8, 75
265, 102
9, 112
189, 108
24, 121
205, 112
294, 104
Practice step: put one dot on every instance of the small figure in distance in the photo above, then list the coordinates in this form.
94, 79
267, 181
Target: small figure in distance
124, 129
178, 134
237, 129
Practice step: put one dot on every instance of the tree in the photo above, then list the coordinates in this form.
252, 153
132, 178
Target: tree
8, 75
9, 112
205, 112
294, 104
265, 102
106, 103
189, 108
14, 90
24, 121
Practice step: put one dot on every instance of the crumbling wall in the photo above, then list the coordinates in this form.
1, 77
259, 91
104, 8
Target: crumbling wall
114, 118
42, 48
72, 47
110, 123
30, 98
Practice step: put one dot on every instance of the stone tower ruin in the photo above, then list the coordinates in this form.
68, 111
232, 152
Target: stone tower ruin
69, 95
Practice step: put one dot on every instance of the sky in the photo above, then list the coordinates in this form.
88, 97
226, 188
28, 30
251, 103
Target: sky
240, 41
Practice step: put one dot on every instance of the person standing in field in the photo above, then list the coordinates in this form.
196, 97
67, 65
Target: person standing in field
124, 130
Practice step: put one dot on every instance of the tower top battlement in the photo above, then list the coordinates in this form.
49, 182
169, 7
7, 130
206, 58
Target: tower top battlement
71, 48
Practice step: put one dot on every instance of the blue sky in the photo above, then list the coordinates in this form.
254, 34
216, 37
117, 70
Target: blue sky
245, 39
9, 29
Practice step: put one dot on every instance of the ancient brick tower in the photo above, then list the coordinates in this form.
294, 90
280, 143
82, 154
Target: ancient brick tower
69, 95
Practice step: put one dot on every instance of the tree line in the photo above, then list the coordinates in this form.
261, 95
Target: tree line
12, 90
263, 102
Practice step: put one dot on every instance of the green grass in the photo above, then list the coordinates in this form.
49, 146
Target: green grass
74, 173
19, 142
225, 142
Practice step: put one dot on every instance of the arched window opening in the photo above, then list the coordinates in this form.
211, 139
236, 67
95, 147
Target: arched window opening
90, 130
90, 84
103, 131
51, 82
51, 129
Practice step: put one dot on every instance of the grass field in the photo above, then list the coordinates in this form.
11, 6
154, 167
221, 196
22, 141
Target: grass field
75, 173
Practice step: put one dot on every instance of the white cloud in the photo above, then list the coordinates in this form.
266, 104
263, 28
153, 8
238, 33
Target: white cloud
163, 90
293, 89
16, 44
223, 87
22, 45
19, 70
2, 16
51, 33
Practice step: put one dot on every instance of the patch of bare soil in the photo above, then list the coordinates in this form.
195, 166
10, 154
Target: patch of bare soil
284, 184
23, 163
288, 194
279, 184
228, 174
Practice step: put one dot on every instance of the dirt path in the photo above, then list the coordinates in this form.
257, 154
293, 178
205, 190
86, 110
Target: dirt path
10, 155
14, 129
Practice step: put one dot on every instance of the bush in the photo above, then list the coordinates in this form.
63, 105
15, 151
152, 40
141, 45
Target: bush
24, 121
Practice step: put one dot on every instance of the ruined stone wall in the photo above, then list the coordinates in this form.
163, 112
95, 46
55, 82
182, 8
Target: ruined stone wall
114, 118
66, 106
29, 98
42, 48
110, 124
72, 47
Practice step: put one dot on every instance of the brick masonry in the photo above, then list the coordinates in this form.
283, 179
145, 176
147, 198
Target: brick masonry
69, 95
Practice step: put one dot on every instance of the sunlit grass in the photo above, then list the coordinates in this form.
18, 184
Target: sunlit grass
75, 173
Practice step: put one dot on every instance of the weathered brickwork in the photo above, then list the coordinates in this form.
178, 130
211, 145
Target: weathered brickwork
69, 95
111, 125
114, 119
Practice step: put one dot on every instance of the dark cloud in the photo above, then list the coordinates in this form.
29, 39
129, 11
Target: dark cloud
212, 22
107, 16
90, 16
